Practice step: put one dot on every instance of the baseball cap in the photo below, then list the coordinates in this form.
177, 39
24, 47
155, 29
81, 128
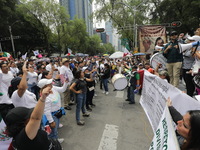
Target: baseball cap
18, 114
173, 33
44, 82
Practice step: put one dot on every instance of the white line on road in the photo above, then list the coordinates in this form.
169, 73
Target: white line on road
109, 138
120, 94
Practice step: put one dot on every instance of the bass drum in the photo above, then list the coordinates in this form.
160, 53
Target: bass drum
119, 81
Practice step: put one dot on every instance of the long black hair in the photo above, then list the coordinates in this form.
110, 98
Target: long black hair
193, 140
14, 83
78, 74
44, 74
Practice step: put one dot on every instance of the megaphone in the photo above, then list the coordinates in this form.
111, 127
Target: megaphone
158, 48
184, 47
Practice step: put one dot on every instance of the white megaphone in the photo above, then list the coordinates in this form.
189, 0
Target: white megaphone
184, 47
158, 48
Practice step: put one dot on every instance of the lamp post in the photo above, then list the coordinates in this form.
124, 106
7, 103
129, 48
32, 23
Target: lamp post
11, 37
134, 9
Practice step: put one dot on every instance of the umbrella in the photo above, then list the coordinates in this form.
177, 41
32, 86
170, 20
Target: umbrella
138, 54
117, 55
105, 54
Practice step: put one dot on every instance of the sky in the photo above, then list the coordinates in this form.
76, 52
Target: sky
97, 24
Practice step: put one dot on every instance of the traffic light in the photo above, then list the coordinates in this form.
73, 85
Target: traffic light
176, 24
100, 30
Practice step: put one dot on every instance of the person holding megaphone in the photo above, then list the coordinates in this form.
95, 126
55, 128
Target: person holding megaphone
174, 58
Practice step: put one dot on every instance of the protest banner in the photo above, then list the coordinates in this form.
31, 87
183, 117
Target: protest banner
148, 35
155, 92
165, 137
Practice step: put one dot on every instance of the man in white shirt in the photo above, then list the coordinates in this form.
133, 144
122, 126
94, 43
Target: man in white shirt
5, 101
66, 74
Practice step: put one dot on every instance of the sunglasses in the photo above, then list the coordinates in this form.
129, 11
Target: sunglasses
173, 34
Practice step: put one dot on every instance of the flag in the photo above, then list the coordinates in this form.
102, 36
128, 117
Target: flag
36, 52
69, 51
24, 56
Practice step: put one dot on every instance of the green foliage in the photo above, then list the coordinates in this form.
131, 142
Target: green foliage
186, 11
122, 16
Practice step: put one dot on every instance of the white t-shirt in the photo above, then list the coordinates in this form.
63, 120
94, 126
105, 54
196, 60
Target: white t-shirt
67, 73
4, 85
53, 101
28, 99
32, 77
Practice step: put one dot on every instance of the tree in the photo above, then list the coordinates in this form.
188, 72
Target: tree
167, 11
121, 16
48, 16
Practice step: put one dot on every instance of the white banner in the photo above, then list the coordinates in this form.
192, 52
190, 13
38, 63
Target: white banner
165, 137
155, 91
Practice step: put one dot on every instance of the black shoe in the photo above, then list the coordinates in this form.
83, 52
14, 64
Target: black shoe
127, 99
131, 102
89, 109
71, 103
86, 114
115, 90
93, 105
80, 123
68, 107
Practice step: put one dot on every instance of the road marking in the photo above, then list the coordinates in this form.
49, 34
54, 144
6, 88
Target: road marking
109, 138
120, 94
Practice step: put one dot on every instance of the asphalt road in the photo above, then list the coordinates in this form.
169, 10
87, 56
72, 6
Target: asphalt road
113, 125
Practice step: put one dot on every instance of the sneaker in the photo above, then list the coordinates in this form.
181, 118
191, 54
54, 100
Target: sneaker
71, 103
93, 105
60, 140
107, 93
86, 114
89, 109
80, 123
68, 107
95, 95
104, 92
60, 125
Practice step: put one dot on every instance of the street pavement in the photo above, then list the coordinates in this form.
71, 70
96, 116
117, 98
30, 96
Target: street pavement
113, 125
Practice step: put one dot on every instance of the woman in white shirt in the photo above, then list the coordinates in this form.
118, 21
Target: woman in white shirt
32, 77
53, 109
18, 92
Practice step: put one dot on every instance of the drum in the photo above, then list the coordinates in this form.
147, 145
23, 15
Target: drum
156, 59
119, 81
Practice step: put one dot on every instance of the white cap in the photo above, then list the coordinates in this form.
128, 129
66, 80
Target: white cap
44, 82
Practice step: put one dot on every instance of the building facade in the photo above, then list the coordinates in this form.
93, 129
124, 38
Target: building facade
81, 9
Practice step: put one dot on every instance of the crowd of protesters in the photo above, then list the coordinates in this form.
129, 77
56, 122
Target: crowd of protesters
43, 85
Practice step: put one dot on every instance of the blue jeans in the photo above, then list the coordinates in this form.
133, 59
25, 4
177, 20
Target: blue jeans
54, 131
105, 84
80, 104
131, 95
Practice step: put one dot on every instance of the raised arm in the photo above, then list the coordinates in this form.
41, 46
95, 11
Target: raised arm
33, 125
23, 84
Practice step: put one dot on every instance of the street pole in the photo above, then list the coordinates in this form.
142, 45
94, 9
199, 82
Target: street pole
12, 42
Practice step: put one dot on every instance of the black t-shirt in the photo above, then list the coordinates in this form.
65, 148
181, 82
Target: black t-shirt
40, 142
81, 85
